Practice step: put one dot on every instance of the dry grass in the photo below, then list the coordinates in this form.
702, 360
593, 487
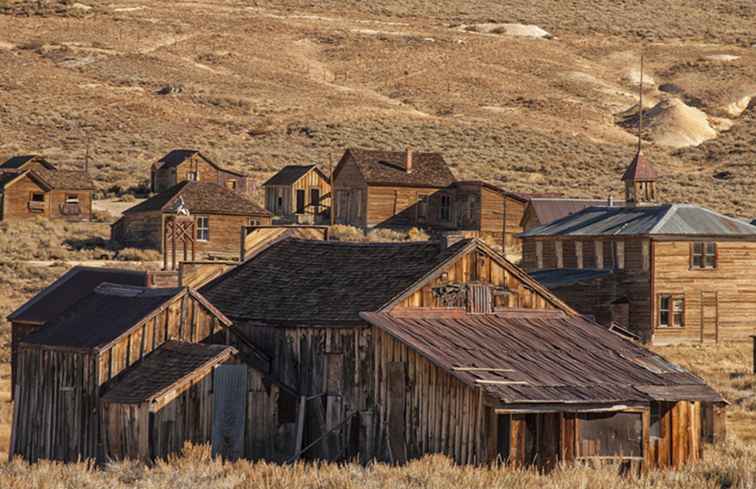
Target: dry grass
339, 232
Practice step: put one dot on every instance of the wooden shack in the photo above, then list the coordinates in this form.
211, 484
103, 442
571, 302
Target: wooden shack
392, 188
51, 194
667, 272
299, 194
50, 302
64, 368
182, 165
218, 216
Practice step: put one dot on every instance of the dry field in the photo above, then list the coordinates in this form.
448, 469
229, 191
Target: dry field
261, 84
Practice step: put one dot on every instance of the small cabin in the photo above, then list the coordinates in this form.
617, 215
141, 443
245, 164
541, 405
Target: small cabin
214, 216
299, 194
182, 165
392, 189
40, 192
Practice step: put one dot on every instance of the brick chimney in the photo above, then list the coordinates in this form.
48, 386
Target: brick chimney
408, 160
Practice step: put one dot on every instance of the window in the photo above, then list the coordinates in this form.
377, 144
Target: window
599, 246
279, 202
315, 199
192, 176
300, 201
72, 199
579, 253
703, 255
610, 435
654, 430
671, 311
203, 228
231, 184
37, 197
558, 250
254, 221
539, 254
646, 255
445, 207
619, 255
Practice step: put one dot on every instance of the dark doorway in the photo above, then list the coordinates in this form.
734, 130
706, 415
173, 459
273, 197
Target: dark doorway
504, 437
300, 201
315, 200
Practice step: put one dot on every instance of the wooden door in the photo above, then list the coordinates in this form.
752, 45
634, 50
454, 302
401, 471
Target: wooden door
229, 411
709, 316
300, 201
315, 201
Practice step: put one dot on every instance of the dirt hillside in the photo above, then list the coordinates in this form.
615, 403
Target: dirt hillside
536, 96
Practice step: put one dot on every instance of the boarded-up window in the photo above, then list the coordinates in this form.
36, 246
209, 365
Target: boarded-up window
599, 246
579, 253
558, 251
610, 435
646, 255
539, 254
619, 255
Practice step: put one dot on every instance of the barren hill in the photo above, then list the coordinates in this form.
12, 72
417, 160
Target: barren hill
536, 96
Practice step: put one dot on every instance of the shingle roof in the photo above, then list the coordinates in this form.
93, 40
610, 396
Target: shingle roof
387, 168
289, 174
177, 156
663, 220
559, 277
640, 169
102, 316
66, 179
164, 368
18, 162
553, 357
551, 209
306, 281
199, 198
7, 176
71, 287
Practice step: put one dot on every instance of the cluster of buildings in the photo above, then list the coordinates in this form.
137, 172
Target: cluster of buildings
303, 347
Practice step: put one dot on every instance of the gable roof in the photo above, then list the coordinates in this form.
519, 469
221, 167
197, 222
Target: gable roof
664, 220
200, 198
549, 210
20, 161
640, 169
163, 368
177, 156
71, 287
66, 179
308, 281
102, 316
387, 168
543, 356
289, 174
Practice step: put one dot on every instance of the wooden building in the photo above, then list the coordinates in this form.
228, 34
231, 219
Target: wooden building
392, 188
181, 165
668, 273
218, 216
40, 192
50, 302
299, 194
412, 348
543, 210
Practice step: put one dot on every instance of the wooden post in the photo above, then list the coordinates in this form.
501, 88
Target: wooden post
754, 353
173, 244
300, 426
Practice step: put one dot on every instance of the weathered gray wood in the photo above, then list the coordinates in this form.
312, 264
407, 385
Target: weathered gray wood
229, 408
396, 405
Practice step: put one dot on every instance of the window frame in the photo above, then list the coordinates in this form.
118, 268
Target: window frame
34, 194
192, 175
704, 255
445, 207
671, 311
300, 209
72, 199
199, 232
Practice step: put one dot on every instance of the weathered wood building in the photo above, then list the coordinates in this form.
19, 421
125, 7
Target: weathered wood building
299, 194
182, 165
392, 188
217, 212
33, 190
668, 273
53, 300
457, 351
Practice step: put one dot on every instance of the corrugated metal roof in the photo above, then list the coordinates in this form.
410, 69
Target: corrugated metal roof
559, 277
551, 209
662, 220
541, 356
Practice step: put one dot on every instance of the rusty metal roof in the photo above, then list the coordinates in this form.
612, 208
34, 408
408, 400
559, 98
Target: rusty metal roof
640, 169
541, 357
660, 220
552, 209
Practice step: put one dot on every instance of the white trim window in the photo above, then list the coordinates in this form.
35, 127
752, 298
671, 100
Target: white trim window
203, 228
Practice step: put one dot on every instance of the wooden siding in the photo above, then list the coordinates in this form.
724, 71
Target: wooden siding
722, 299
141, 230
314, 212
681, 440
167, 176
16, 202
400, 206
349, 199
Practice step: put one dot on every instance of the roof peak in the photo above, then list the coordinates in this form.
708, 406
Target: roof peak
640, 169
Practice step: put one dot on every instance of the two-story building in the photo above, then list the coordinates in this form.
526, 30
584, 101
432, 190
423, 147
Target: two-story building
667, 272
181, 165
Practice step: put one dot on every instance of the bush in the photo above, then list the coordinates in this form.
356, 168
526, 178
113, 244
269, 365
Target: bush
137, 254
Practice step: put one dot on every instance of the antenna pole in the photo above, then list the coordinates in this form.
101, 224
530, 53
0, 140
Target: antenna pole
640, 109
86, 156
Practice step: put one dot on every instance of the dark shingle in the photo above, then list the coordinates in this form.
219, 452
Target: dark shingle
18, 162
102, 316
163, 368
288, 175
66, 179
387, 168
323, 281
200, 197
177, 156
